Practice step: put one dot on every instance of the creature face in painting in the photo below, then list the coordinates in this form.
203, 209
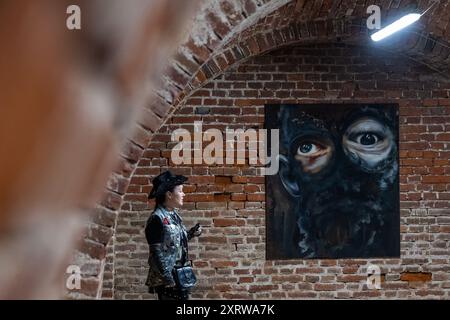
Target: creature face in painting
340, 168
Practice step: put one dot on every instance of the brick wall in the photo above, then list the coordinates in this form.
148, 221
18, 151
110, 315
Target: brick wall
229, 200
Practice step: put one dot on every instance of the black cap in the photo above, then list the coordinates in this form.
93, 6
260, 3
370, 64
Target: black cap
165, 182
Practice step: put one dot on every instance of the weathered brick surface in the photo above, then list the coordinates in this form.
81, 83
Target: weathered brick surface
108, 274
289, 22
233, 31
229, 201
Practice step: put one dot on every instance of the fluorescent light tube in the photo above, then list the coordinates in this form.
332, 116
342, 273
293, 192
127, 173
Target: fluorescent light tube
395, 26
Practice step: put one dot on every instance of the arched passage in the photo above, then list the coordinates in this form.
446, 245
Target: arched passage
231, 33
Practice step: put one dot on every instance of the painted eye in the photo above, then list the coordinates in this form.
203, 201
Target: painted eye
307, 149
313, 155
367, 142
368, 138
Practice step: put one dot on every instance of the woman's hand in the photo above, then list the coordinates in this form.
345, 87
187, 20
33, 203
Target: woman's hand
198, 232
195, 231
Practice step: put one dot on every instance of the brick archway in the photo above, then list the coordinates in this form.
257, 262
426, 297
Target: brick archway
194, 64
230, 35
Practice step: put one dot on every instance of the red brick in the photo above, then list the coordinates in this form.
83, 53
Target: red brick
326, 287
124, 167
436, 179
136, 197
351, 278
256, 197
415, 276
100, 234
367, 294
248, 102
416, 162
202, 179
107, 294
228, 222
430, 154
104, 216
221, 62
141, 136
218, 25
131, 151
223, 264
186, 62
239, 179
148, 119
200, 77
201, 52
260, 180
222, 197
111, 200
234, 188
223, 180
443, 137
117, 183
89, 287
262, 287
93, 249
198, 197
238, 197
177, 75
246, 280
210, 205
251, 188
213, 239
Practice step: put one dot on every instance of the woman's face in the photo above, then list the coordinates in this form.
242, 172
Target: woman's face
175, 199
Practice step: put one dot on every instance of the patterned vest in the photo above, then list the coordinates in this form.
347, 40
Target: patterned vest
173, 247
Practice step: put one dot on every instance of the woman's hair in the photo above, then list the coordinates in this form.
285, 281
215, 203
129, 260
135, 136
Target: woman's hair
160, 199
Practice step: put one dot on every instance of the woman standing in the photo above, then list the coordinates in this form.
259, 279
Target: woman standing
167, 237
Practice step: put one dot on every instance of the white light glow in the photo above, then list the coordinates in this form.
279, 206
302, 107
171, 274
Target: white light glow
395, 26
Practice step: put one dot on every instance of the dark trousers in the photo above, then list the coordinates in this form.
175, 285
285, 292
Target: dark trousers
172, 293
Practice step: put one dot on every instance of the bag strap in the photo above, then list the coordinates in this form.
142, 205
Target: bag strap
185, 244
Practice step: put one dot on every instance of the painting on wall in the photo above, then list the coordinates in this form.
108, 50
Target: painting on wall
336, 194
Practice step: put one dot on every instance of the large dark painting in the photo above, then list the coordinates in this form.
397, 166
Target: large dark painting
336, 194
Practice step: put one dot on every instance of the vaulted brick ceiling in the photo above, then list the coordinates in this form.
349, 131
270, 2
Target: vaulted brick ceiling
228, 31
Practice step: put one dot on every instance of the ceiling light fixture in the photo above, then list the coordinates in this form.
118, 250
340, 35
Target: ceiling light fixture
399, 24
